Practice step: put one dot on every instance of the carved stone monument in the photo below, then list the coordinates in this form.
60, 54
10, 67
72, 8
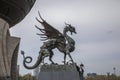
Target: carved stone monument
11, 12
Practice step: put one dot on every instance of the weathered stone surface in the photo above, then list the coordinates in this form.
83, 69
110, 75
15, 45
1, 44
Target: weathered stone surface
3, 31
8, 52
59, 72
66, 67
12, 48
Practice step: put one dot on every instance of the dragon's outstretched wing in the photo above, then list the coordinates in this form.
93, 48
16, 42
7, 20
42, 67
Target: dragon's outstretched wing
49, 32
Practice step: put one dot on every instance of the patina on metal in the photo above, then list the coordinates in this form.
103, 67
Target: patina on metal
52, 39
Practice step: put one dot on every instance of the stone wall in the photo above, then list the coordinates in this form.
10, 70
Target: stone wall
8, 51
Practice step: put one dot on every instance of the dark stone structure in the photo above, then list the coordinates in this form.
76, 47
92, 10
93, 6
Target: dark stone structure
11, 13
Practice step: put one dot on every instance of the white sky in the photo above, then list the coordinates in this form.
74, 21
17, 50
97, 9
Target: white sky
98, 27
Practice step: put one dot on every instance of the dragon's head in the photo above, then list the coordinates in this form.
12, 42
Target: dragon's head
70, 28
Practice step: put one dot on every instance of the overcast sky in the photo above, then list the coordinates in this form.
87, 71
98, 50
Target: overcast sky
98, 32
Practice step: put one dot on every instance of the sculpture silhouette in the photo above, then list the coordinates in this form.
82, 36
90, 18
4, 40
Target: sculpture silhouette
53, 39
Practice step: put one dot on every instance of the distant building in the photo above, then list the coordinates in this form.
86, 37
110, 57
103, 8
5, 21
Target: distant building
91, 74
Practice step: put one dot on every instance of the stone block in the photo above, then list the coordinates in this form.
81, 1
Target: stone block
58, 72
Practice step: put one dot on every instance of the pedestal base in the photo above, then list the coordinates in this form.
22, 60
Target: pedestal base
59, 72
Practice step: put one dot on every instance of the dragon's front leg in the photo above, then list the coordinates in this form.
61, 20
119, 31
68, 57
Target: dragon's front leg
68, 53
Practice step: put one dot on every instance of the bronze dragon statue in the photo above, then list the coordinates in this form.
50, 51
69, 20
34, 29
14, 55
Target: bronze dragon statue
52, 39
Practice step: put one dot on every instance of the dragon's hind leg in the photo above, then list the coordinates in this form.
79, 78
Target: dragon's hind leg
71, 58
51, 55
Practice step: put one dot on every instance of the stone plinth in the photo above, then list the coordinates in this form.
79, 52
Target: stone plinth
58, 72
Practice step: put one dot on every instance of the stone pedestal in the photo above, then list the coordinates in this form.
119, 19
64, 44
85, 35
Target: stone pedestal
59, 72
8, 52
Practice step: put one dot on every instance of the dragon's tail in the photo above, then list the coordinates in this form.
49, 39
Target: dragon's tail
25, 61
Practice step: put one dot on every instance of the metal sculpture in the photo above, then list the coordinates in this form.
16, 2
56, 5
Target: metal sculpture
53, 39
80, 70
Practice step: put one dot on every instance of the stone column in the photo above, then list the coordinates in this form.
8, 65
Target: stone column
8, 50
3, 61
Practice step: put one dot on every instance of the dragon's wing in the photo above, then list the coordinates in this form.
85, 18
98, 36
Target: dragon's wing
48, 32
